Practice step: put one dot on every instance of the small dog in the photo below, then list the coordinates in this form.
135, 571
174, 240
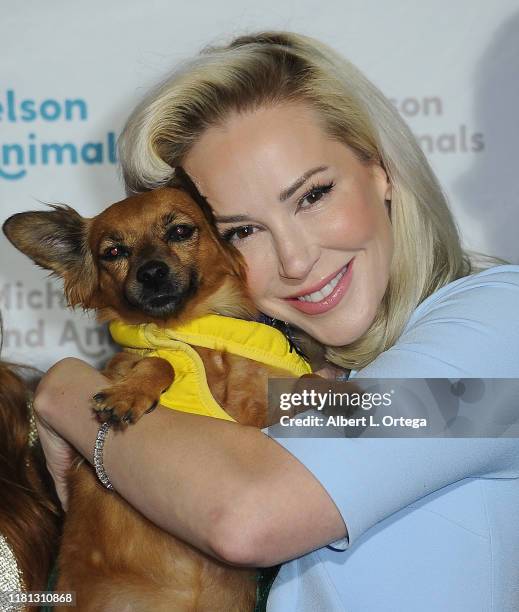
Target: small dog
154, 257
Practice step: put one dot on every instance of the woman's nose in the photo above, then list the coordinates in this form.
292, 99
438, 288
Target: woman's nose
297, 257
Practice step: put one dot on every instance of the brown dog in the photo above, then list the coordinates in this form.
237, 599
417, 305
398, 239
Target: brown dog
154, 257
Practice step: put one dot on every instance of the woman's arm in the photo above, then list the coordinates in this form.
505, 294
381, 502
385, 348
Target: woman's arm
227, 489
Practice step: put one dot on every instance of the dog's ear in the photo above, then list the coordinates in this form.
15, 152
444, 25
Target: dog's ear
182, 180
57, 240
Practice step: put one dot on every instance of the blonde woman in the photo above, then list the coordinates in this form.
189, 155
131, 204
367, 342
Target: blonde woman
314, 177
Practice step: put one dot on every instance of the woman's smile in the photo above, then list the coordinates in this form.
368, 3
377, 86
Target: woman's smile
326, 295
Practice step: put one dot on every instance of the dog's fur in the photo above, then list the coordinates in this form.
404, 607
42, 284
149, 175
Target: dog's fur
153, 257
30, 514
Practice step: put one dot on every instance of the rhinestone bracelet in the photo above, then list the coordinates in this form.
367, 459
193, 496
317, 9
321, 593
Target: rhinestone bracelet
98, 455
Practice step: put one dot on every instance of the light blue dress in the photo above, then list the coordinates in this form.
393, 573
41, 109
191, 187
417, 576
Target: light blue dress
433, 523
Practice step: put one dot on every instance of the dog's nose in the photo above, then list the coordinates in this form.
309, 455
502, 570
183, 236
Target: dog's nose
152, 272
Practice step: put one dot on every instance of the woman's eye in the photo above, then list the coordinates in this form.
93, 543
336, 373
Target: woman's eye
314, 195
238, 233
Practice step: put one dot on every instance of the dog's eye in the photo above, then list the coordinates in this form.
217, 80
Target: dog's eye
180, 232
114, 252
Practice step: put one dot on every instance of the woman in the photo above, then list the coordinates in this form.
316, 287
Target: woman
314, 177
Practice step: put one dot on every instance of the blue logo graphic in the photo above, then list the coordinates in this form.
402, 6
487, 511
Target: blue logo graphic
17, 157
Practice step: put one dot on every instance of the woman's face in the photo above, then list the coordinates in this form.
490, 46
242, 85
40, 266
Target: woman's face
309, 218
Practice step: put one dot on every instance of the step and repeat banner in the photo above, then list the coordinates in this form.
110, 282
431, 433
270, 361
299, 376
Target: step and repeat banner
71, 72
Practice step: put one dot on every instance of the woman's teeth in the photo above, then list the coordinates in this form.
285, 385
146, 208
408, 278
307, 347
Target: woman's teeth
323, 293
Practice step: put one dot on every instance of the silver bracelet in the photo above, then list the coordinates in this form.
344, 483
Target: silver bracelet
98, 455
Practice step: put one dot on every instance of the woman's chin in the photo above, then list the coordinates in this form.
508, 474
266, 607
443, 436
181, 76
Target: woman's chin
336, 333
331, 329
328, 337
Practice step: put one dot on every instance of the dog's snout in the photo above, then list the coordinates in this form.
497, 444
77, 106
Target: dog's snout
152, 272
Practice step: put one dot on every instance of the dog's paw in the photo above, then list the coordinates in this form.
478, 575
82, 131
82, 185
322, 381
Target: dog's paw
119, 405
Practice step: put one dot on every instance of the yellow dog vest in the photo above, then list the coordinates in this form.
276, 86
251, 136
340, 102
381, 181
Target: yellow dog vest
190, 391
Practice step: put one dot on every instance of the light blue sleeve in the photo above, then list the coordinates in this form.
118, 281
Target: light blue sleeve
470, 328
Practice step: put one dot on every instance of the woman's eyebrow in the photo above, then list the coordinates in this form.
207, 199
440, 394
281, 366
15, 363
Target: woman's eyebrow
289, 191
284, 195
231, 219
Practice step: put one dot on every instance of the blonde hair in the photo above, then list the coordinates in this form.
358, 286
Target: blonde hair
271, 68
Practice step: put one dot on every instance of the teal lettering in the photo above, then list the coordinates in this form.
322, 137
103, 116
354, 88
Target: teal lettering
50, 110
28, 112
28, 109
10, 105
6, 154
32, 150
112, 148
80, 105
92, 153
12, 175
58, 151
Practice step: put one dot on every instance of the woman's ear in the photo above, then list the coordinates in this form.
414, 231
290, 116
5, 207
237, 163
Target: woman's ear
383, 183
388, 195
389, 192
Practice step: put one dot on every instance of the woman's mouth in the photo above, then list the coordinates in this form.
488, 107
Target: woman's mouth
327, 296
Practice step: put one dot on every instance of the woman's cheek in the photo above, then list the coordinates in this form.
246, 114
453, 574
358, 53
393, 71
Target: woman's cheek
351, 219
259, 272
348, 228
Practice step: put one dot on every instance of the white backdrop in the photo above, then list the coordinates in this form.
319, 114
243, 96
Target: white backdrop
70, 72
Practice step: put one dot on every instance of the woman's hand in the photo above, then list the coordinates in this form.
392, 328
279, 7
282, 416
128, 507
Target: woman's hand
58, 457
64, 418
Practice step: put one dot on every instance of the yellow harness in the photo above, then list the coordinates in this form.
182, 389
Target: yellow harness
190, 391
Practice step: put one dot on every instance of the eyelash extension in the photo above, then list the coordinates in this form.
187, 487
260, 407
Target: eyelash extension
229, 233
323, 189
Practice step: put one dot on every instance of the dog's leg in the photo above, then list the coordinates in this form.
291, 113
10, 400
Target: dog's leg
139, 384
120, 364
